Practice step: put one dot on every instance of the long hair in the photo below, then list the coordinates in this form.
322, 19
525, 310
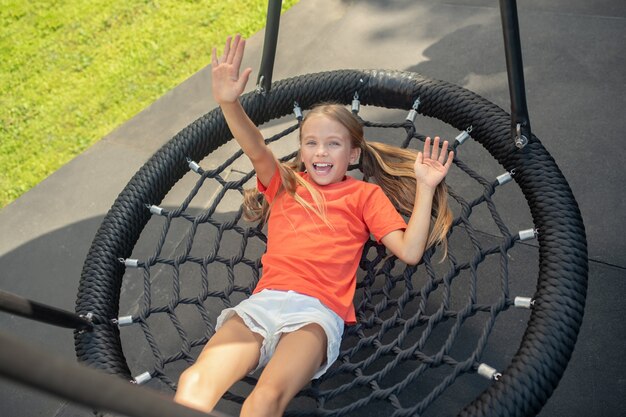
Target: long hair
388, 166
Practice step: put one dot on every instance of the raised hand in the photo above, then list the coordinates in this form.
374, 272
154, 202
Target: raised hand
227, 83
432, 165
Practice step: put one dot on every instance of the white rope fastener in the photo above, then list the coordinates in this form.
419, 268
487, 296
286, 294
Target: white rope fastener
130, 263
193, 165
297, 110
488, 372
464, 135
154, 209
528, 234
506, 177
142, 378
413, 112
356, 104
524, 302
124, 321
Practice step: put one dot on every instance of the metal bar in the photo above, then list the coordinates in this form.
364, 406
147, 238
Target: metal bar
264, 81
33, 310
515, 70
68, 379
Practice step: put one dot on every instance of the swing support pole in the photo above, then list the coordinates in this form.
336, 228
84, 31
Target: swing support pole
520, 121
264, 82
52, 374
33, 310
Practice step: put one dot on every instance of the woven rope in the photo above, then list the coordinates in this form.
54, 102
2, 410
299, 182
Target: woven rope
391, 305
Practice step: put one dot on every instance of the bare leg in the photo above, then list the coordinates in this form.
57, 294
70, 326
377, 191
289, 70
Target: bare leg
230, 354
297, 358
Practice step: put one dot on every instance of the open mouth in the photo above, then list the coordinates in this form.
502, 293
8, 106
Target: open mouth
322, 168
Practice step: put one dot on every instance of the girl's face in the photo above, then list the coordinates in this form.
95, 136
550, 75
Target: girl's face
326, 149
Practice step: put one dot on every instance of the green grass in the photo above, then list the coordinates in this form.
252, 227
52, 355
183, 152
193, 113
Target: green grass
72, 71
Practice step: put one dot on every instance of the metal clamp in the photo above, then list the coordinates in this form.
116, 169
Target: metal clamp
520, 140
413, 112
193, 166
528, 234
464, 135
297, 110
489, 372
131, 263
123, 321
506, 177
524, 302
259, 86
142, 378
356, 104
87, 317
154, 209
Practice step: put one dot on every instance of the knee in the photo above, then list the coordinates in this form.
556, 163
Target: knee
190, 377
195, 386
191, 390
267, 400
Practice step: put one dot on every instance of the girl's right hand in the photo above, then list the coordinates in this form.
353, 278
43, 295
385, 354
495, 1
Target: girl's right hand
227, 83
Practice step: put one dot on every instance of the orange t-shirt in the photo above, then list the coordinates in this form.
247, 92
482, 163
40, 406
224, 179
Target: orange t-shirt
305, 255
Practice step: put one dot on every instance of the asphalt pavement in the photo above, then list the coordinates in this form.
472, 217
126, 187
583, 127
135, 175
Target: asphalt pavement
574, 58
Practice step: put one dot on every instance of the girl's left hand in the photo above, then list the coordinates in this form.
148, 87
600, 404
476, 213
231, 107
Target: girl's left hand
432, 165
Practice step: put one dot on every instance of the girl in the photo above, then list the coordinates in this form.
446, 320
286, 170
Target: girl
318, 222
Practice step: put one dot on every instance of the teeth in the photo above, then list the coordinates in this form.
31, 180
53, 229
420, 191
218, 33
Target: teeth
323, 165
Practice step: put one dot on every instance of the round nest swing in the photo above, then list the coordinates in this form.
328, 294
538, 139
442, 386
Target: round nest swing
409, 346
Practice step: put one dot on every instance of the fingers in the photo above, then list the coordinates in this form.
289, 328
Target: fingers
434, 153
243, 79
233, 51
449, 161
419, 159
444, 152
427, 148
226, 52
214, 58
239, 47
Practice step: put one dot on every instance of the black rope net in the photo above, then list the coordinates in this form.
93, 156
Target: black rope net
160, 271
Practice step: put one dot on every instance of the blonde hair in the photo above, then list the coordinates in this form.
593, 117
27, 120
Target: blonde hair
389, 166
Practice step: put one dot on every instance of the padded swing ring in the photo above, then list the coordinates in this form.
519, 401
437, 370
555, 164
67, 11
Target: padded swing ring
549, 339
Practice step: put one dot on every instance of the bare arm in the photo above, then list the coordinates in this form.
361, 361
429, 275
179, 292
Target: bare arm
430, 169
228, 84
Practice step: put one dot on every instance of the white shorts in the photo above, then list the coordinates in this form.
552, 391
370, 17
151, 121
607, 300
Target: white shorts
272, 313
